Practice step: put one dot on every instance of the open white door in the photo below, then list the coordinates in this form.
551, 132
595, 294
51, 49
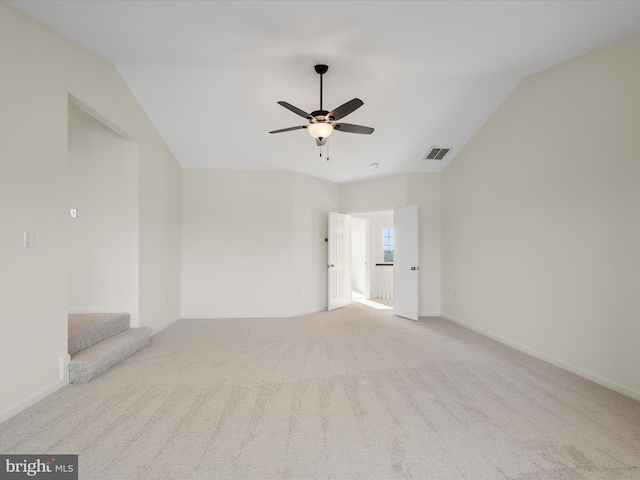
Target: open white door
339, 288
405, 262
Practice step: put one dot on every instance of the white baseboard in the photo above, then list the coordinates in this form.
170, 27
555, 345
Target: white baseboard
164, 325
309, 311
218, 316
552, 360
64, 367
30, 400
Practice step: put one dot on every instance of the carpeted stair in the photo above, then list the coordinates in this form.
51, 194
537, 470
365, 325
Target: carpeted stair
98, 341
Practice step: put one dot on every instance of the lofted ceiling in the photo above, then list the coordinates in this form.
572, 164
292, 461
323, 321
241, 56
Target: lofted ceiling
430, 73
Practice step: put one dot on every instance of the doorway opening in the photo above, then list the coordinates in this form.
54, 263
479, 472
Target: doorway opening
401, 237
103, 215
372, 249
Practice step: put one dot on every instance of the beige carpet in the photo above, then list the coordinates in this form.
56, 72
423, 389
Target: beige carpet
352, 394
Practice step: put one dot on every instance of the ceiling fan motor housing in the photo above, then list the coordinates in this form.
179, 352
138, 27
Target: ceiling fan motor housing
320, 116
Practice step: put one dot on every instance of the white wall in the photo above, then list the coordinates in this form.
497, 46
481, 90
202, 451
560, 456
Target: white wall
312, 200
403, 190
253, 243
103, 239
359, 254
373, 195
540, 219
40, 69
236, 247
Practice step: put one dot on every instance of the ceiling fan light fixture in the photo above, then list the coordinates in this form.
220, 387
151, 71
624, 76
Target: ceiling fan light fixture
320, 130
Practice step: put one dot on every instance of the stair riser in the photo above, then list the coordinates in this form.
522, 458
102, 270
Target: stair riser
97, 359
89, 329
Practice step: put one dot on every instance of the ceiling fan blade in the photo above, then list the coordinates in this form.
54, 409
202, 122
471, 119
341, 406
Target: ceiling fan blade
296, 110
289, 129
344, 110
321, 142
349, 128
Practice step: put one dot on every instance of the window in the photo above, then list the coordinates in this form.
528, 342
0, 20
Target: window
387, 244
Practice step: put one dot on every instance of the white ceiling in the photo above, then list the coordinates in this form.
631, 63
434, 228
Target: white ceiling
430, 73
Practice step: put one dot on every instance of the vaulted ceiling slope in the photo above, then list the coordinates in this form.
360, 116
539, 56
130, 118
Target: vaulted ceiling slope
209, 73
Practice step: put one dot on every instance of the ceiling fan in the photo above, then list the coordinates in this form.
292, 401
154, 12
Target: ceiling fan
321, 122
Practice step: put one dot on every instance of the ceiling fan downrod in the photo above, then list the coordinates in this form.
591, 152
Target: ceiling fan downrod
320, 70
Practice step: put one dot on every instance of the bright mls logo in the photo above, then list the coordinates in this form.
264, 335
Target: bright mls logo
50, 467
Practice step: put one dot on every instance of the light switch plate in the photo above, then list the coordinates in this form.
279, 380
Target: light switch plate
29, 239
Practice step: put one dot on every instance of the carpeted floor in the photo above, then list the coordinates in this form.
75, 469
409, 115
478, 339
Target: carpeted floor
350, 394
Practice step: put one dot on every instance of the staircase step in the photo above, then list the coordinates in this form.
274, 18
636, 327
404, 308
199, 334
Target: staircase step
100, 357
86, 329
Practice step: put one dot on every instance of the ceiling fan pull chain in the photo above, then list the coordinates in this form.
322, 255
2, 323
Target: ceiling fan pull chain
327, 152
